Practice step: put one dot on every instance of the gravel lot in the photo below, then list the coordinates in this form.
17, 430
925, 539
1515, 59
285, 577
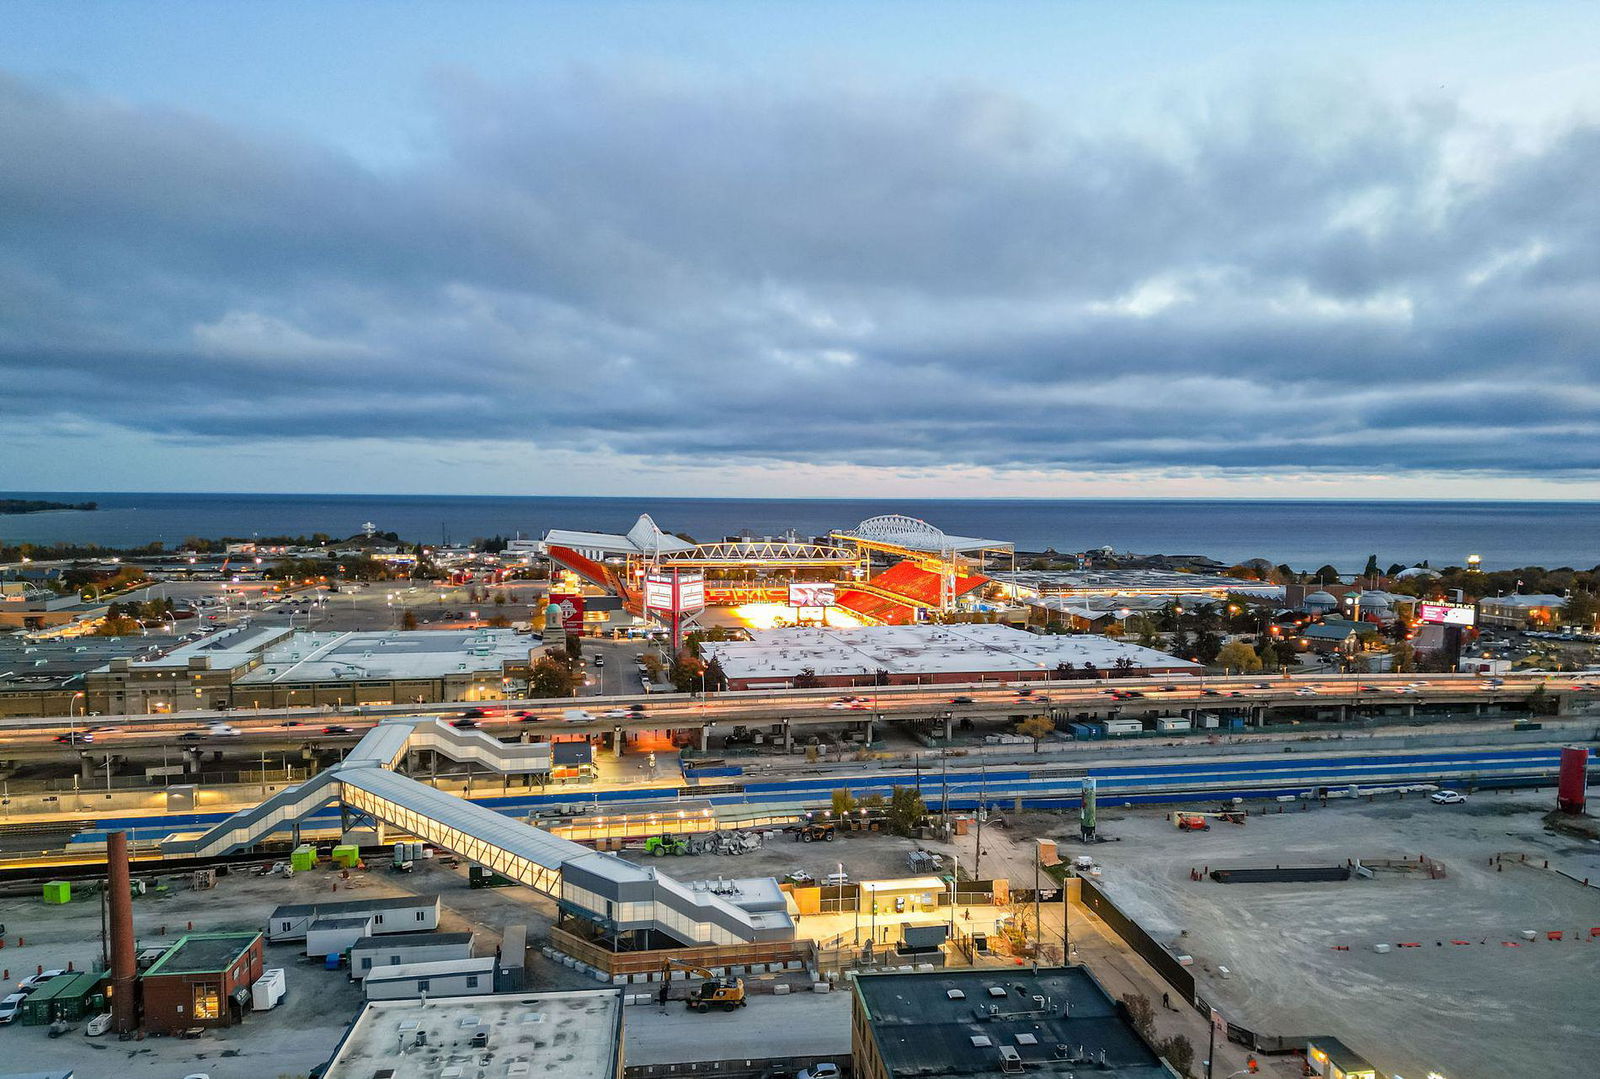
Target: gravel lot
1480, 1008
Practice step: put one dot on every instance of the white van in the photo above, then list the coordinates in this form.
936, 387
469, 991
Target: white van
578, 715
10, 1006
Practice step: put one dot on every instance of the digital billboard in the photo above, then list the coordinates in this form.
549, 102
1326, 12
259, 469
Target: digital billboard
570, 608
1448, 614
690, 593
658, 593
811, 594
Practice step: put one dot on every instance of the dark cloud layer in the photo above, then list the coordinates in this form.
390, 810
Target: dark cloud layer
1308, 280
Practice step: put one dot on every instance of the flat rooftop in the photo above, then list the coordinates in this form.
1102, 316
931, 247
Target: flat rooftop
235, 647
331, 657
202, 953
911, 650
528, 1035
63, 663
1135, 582
966, 1022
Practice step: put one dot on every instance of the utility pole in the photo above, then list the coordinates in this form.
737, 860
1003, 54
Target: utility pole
983, 794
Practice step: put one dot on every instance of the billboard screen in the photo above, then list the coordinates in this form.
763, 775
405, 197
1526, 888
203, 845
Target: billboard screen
811, 594
658, 593
570, 607
691, 593
1448, 614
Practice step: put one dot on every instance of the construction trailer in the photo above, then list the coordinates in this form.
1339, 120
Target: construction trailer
446, 978
403, 914
334, 936
406, 949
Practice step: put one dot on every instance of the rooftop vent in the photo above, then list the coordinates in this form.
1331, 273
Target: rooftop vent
981, 1041
1027, 1039
956, 994
997, 991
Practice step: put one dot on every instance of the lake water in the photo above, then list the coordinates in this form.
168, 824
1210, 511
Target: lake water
1304, 534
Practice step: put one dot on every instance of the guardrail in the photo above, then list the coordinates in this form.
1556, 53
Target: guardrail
648, 964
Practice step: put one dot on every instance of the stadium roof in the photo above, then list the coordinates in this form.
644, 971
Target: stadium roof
912, 534
644, 538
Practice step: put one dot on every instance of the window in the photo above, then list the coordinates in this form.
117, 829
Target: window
472, 981
377, 919
208, 1001
422, 985
422, 916
283, 926
366, 962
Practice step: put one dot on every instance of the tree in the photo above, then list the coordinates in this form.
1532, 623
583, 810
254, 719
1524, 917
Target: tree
1206, 646
1179, 1052
574, 646
1371, 568
551, 676
716, 678
843, 803
1270, 660
906, 810
408, 620
1036, 727
499, 599
1582, 610
117, 626
1141, 1013
687, 673
1405, 657
1238, 656
1326, 575
807, 678
499, 621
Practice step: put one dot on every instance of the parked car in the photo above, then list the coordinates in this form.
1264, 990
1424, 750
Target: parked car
1447, 798
10, 1006
819, 1071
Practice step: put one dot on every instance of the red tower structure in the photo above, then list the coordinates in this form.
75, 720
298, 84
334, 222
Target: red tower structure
1574, 778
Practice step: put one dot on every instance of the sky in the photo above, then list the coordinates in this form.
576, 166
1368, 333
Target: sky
817, 249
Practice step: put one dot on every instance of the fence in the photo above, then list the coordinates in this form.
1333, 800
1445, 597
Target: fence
642, 966
1133, 934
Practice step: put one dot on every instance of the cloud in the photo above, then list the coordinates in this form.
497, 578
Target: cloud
1290, 280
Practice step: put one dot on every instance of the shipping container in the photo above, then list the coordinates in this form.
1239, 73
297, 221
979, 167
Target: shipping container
268, 991
1172, 724
1122, 727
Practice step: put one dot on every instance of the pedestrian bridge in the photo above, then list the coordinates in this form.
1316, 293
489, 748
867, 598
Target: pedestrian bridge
614, 893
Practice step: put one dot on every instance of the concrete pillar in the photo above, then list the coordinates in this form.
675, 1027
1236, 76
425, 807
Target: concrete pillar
869, 730
618, 741
85, 769
705, 737
788, 737
949, 728
1411, 710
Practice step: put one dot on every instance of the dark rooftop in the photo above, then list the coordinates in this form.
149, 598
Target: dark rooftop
354, 906
412, 940
970, 1022
202, 953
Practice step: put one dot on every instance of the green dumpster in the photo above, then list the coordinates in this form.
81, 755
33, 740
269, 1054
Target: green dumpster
58, 891
347, 855
302, 858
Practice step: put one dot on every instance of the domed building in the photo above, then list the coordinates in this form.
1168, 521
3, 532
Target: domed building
1320, 603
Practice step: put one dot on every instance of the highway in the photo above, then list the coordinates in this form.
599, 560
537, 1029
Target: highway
35, 738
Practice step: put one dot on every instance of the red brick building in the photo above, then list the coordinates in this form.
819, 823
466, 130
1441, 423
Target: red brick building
203, 980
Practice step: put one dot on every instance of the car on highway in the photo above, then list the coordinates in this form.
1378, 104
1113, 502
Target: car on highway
1447, 798
961, 700
337, 729
1262, 685
840, 706
192, 736
529, 717
616, 713
223, 730
636, 707
1417, 685
578, 715
1211, 693
103, 730
1169, 689
464, 724
82, 738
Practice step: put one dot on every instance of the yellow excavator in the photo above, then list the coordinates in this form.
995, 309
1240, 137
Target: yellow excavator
715, 992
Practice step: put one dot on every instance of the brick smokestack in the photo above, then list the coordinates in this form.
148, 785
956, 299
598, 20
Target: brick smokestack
124, 971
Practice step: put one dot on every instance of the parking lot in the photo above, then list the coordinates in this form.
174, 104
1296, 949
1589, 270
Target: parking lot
1470, 998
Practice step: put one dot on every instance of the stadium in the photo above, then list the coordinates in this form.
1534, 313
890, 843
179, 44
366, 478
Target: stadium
890, 570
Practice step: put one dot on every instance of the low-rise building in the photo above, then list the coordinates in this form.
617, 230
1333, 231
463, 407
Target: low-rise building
982, 1023
439, 978
203, 980
927, 654
576, 1033
1521, 612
